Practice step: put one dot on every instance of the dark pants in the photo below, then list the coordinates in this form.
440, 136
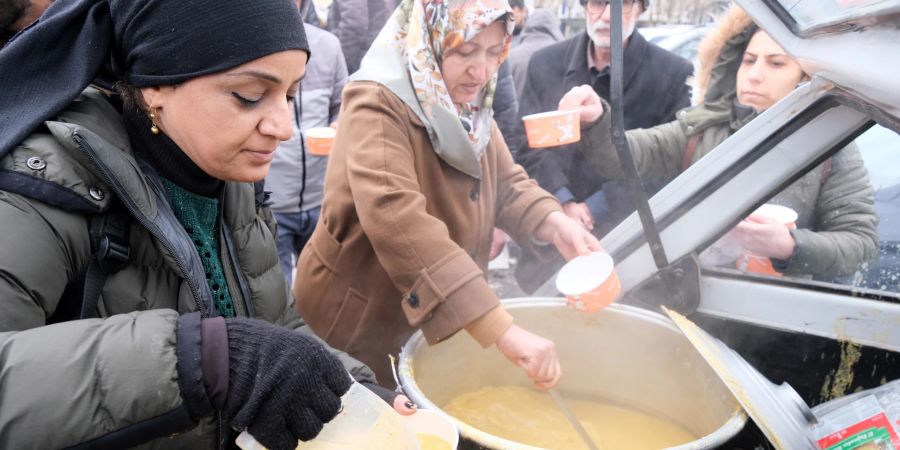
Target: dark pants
294, 229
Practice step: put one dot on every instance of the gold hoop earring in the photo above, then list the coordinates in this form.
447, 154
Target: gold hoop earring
153, 128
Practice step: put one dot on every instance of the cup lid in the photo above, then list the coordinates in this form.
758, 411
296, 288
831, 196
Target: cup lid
584, 273
780, 213
321, 132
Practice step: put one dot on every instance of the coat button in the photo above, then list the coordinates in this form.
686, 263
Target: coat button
96, 193
681, 114
35, 163
690, 129
413, 300
474, 194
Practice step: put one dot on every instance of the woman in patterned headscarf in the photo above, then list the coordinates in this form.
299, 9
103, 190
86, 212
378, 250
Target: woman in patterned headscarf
418, 178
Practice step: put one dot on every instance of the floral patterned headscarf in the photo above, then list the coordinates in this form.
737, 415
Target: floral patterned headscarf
417, 36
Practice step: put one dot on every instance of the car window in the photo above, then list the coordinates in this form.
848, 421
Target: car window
809, 14
879, 147
842, 216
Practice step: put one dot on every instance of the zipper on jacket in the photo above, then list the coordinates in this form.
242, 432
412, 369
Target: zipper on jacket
108, 177
234, 277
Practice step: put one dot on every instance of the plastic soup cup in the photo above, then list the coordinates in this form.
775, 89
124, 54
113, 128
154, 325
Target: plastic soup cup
433, 430
319, 140
552, 128
365, 421
589, 282
750, 262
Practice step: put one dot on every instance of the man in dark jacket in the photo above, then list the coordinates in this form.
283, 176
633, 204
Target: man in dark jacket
655, 88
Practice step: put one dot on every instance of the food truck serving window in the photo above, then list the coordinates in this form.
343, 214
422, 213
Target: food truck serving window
811, 15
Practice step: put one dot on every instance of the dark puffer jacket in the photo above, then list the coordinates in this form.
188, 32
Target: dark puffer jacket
112, 379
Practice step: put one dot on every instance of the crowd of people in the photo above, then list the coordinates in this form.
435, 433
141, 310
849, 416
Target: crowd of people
176, 265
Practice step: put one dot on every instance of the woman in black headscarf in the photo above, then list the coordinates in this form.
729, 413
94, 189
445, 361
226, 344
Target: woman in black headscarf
136, 213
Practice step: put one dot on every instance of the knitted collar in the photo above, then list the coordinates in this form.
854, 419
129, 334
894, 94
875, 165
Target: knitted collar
166, 157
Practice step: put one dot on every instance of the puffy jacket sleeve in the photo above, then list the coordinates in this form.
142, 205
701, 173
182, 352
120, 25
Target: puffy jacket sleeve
414, 247
90, 381
340, 80
85, 379
844, 235
657, 151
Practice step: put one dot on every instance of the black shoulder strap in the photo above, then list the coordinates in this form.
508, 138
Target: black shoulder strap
110, 251
109, 241
260, 195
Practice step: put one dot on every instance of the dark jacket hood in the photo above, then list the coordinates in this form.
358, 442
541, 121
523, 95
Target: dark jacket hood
541, 24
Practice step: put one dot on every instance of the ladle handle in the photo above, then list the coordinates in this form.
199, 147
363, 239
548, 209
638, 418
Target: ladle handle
572, 419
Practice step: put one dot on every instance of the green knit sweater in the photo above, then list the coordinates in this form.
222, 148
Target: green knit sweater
199, 216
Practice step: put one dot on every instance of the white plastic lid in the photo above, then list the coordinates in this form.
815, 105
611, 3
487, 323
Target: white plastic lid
782, 214
321, 132
584, 273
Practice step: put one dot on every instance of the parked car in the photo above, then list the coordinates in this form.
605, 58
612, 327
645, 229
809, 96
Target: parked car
684, 43
658, 33
826, 338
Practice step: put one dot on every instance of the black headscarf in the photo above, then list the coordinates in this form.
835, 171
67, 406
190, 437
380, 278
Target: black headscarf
142, 42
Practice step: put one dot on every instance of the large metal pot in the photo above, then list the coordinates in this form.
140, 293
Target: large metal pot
621, 355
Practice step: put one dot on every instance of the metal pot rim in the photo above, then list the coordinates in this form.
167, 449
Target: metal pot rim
721, 435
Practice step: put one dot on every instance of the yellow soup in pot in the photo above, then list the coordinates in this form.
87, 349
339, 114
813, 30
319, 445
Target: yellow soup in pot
531, 417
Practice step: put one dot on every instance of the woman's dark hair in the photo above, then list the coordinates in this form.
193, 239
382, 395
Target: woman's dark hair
132, 99
10, 12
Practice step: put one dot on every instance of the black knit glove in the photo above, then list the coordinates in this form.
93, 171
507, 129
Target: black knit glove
283, 386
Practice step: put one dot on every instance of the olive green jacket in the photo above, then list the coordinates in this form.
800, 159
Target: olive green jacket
836, 228
112, 381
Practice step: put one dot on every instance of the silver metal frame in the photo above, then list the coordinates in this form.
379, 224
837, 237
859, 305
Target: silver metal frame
860, 66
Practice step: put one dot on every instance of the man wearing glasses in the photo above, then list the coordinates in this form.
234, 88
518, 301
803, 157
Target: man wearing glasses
655, 88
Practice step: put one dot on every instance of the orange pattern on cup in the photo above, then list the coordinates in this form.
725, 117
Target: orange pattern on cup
748, 262
319, 140
552, 128
589, 282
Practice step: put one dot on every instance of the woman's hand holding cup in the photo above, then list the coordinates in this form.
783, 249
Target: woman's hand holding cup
584, 99
567, 235
765, 236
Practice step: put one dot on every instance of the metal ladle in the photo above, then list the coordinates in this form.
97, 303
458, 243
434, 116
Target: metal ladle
570, 416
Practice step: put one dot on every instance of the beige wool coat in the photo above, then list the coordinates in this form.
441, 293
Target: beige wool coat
403, 239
